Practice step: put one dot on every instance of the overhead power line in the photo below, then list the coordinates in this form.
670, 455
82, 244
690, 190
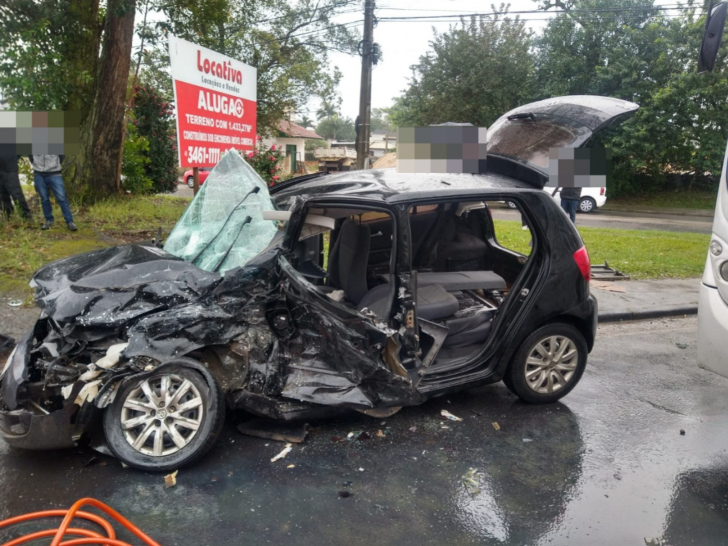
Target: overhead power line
434, 18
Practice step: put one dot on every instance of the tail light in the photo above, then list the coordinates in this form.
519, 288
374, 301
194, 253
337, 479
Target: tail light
581, 257
602, 191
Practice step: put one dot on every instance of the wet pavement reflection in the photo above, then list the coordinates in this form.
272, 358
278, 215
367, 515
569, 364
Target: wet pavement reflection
606, 466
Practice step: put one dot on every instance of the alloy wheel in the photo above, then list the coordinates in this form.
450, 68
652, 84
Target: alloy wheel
586, 205
551, 364
162, 415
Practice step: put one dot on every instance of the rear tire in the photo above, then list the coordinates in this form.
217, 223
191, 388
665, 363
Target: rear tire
587, 205
548, 365
148, 427
511, 205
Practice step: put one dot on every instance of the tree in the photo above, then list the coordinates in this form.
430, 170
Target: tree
648, 58
380, 120
473, 73
336, 128
326, 110
287, 43
49, 59
154, 122
305, 121
97, 166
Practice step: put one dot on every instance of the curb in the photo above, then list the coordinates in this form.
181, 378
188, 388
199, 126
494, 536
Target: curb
617, 316
697, 213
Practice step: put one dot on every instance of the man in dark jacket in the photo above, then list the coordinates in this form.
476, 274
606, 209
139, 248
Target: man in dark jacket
10, 189
570, 201
47, 178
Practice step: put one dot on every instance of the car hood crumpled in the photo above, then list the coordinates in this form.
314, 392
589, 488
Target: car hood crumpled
88, 294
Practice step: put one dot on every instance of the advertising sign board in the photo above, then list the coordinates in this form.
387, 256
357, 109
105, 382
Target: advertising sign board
215, 102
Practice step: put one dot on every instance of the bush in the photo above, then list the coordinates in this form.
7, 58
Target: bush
155, 123
266, 162
135, 161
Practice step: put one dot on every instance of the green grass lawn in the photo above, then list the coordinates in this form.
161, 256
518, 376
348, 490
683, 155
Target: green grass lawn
24, 247
641, 254
668, 199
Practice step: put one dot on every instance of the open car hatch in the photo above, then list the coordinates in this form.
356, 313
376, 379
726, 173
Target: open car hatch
525, 134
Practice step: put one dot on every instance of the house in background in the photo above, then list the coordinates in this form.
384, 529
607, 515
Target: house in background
291, 139
381, 142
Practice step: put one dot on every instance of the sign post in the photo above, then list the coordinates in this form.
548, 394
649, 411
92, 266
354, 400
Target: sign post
215, 102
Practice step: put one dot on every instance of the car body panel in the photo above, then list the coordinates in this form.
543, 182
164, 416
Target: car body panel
202, 175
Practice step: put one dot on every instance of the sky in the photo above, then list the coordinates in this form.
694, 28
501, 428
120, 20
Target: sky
403, 42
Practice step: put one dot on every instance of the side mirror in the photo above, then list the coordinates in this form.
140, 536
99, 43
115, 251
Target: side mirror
714, 24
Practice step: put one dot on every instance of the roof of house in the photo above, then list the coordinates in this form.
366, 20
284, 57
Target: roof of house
291, 129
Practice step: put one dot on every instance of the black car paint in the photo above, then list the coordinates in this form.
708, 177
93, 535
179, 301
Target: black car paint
167, 308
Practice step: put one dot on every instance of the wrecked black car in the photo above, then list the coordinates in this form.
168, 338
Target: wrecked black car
368, 290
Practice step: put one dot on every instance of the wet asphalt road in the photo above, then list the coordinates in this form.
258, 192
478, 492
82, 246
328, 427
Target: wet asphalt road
607, 466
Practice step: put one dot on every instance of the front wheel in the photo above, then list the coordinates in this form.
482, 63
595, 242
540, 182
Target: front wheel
166, 420
190, 182
587, 204
548, 365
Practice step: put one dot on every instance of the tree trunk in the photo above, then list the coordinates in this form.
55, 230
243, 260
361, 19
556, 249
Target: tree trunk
97, 164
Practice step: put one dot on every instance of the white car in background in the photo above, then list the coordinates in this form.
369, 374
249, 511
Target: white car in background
591, 198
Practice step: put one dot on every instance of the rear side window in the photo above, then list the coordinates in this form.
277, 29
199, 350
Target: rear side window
511, 230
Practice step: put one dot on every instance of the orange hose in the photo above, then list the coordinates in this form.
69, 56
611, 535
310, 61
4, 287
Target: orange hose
89, 537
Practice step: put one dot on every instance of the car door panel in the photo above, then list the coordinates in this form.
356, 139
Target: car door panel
338, 357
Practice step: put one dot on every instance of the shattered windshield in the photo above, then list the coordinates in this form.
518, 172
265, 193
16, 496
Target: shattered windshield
223, 228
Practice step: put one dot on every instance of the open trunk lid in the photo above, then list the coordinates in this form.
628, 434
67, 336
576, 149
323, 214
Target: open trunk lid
524, 135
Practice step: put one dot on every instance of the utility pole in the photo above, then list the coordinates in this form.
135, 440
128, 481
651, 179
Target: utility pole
365, 94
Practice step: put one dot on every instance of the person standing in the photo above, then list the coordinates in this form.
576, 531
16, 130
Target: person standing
570, 201
47, 178
10, 189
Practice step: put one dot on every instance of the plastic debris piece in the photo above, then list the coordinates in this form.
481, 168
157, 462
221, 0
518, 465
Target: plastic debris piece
526, 440
350, 435
361, 470
88, 392
112, 356
170, 480
413, 429
496, 425
450, 416
291, 466
682, 432
364, 436
682, 345
380, 434
15, 303
471, 481
283, 453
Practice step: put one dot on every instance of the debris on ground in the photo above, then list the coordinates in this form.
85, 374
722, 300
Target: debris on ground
170, 480
337, 439
413, 429
363, 436
380, 434
682, 432
291, 466
270, 429
526, 440
345, 494
496, 425
346, 483
15, 303
471, 481
608, 286
282, 454
447, 415
682, 345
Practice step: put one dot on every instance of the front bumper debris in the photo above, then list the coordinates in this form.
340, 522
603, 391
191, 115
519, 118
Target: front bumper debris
28, 430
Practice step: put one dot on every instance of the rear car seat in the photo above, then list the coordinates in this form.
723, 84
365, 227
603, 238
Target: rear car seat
348, 271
